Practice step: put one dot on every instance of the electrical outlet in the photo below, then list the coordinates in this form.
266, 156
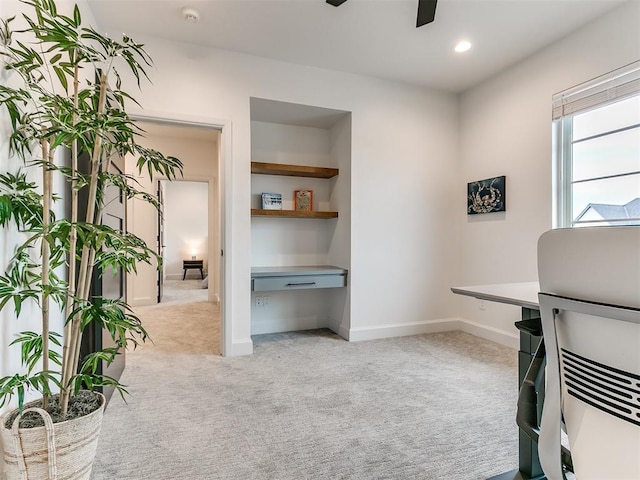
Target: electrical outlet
481, 306
259, 301
266, 301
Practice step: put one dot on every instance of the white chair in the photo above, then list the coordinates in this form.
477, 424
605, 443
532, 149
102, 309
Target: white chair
590, 309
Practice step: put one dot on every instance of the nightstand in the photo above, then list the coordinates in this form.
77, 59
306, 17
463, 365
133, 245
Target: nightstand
192, 264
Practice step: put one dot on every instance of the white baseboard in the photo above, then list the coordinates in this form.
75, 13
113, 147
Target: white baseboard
338, 329
508, 339
402, 330
178, 276
275, 325
241, 347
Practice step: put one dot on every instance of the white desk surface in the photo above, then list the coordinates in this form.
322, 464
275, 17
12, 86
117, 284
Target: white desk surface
257, 272
520, 294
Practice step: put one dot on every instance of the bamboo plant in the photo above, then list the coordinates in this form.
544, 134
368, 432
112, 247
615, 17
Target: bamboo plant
69, 102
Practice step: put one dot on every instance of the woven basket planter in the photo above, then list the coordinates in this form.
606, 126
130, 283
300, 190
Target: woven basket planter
60, 451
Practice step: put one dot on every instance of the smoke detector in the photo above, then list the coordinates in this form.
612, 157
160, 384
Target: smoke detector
190, 15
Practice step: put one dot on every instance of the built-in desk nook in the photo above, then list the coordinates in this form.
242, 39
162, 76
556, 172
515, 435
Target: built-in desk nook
300, 217
289, 298
264, 279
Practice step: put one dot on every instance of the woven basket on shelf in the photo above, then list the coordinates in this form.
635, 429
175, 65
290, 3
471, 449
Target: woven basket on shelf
64, 450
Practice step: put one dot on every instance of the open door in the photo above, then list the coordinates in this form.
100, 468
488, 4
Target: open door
160, 239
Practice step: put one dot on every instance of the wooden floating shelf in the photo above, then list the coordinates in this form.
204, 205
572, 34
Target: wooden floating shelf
256, 212
292, 170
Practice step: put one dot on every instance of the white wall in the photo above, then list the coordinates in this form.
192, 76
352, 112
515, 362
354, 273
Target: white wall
142, 220
186, 228
404, 156
9, 238
506, 130
340, 251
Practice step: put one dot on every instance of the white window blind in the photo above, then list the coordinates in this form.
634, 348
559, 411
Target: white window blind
611, 87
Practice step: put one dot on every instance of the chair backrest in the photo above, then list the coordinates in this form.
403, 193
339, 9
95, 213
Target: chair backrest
590, 307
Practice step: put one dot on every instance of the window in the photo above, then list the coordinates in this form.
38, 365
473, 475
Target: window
596, 129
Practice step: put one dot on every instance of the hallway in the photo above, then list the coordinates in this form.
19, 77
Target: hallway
185, 322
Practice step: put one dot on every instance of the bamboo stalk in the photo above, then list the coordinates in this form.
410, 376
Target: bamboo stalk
86, 266
47, 155
73, 241
93, 189
98, 221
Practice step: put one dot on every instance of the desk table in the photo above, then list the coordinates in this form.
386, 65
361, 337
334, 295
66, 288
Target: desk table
264, 279
525, 296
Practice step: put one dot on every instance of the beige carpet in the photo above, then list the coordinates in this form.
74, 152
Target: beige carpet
183, 291
184, 322
309, 405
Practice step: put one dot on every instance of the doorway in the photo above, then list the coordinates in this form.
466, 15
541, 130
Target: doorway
183, 240
198, 146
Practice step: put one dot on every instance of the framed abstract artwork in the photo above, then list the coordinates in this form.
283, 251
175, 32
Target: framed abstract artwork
303, 200
486, 196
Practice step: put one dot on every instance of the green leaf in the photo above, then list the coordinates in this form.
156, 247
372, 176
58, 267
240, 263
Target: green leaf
62, 77
76, 16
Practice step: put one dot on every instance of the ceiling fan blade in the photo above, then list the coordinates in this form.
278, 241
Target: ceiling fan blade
336, 3
426, 12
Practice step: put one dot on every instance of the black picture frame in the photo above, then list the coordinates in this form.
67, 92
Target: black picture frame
487, 196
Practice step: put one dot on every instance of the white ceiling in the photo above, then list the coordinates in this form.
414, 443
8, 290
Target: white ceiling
369, 37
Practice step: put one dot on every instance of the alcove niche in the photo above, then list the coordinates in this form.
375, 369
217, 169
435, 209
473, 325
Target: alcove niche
300, 147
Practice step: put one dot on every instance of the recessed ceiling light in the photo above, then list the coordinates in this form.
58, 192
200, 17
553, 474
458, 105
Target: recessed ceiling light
462, 46
190, 15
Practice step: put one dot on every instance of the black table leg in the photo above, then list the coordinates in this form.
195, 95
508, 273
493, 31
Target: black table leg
530, 328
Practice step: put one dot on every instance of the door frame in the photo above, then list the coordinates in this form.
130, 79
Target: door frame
213, 244
224, 194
